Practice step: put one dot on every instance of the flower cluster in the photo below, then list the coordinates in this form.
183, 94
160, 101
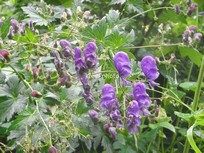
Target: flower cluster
190, 34
137, 107
18, 28
122, 65
110, 105
64, 77
150, 70
82, 65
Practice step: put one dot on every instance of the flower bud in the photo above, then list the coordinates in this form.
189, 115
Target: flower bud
191, 9
14, 23
0, 22
22, 29
5, 54
52, 149
112, 131
69, 13
106, 127
177, 9
35, 72
10, 33
94, 116
36, 94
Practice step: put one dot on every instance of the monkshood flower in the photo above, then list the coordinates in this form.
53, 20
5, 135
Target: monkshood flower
137, 107
90, 51
150, 70
80, 65
66, 48
122, 65
89, 98
110, 105
58, 61
85, 83
15, 24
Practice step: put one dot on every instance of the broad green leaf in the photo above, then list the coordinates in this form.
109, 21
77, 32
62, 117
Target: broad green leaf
166, 125
191, 140
194, 55
30, 36
189, 85
97, 141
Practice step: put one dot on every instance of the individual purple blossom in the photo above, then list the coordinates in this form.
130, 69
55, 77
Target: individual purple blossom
112, 131
10, 33
94, 116
58, 62
150, 70
85, 83
110, 105
90, 54
15, 24
122, 65
66, 48
80, 65
52, 149
89, 98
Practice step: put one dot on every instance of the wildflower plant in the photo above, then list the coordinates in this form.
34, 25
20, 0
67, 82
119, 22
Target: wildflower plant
101, 76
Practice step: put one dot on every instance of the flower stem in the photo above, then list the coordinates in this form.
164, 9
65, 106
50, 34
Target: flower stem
195, 100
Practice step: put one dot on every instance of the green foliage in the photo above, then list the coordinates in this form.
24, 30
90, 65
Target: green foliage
58, 116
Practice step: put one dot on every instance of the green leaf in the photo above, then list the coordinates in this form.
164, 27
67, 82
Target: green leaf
166, 125
193, 54
14, 101
35, 17
189, 86
113, 2
97, 32
184, 116
5, 28
30, 36
191, 140
106, 144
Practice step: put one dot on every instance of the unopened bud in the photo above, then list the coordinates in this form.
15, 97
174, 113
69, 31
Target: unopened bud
197, 36
191, 9
52, 149
36, 94
94, 116
5, 54
177, 9
112, 131
35, 72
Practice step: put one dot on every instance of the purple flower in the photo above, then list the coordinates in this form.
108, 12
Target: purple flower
137, 107
80, 65
112, 131
94, 116
89, 98
150, 70
108, 100
66, 48
122, 65
85, 83
14, 23
197, 36
90, 51
109, 103
52, 149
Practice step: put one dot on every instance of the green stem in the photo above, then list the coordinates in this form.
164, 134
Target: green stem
195, 100
190, 71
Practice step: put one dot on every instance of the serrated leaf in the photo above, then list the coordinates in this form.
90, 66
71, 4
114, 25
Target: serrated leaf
14, 102
106, 144
116, 40
194, 55
30, 36
97, 32
35, 17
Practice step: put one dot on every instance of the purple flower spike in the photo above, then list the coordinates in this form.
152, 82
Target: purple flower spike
122, 65
80, 65
89, 98
150, 70
90, 51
